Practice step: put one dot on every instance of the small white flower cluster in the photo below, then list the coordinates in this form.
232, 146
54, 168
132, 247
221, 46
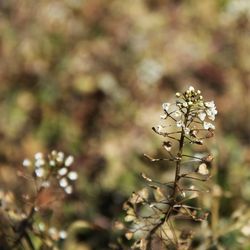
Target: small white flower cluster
191, 102
64, 174
210, 112
56, 235
53, 233
57, 165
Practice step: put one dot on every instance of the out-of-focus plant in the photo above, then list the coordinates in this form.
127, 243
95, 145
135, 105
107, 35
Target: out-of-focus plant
155, 211
24, 227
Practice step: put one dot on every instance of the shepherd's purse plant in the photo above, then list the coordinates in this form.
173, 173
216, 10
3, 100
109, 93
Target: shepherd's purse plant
157, 214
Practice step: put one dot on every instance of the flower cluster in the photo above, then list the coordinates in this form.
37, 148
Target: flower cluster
26, 224
191, 114
56, 165
52, 232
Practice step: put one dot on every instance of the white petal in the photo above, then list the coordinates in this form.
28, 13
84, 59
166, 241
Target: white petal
191, 88
26, 163
63, 235
52, 231
52, 163
208, 125
72, 175
69, 160
203, 169
210, 104
38, 156
60, 156
246, 230
63, 183
202, 116
41, 226
68, 190
39, 162
166, 106
184, 104
62, 171
39, 172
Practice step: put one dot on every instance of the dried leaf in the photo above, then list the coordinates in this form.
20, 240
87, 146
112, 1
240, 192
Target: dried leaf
159, 195
129, 218
129, 235
118, 226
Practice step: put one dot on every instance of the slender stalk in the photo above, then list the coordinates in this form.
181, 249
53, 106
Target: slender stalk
179, 154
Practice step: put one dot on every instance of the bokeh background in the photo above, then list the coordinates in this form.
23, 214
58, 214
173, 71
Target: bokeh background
89, 77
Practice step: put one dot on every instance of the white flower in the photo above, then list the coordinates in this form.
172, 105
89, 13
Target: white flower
210, 104
211, 110
62, 171
246, 230
26, 163
54, 153
39, 172
38, 156
68, 190
52, 231
69, 160
166, 106
208, 125
202, 116
184, 104
60, 156
211, 113
63, 235
72, 175
63, 183
191, 88
39, 162
52, 163
41, 226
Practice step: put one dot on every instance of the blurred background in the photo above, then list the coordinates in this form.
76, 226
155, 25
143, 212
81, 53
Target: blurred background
89, 77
